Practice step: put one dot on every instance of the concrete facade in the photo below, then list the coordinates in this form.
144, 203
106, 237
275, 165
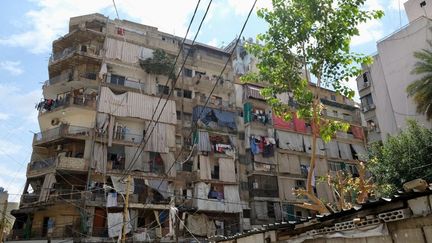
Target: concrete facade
97, 113
382, 86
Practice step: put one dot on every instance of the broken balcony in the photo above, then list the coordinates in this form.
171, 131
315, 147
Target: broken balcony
58, 133
70, 76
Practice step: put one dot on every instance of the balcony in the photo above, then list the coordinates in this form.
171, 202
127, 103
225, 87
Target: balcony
68, 100
264, 193
29, 198
70, 76
40, 167
70, 51
71, 163
60, 132
120, 81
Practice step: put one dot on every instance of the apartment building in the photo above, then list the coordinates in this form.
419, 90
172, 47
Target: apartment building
216, 159
382, 86
277, 153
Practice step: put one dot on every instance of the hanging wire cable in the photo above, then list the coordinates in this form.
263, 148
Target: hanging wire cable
134, 157
128, 170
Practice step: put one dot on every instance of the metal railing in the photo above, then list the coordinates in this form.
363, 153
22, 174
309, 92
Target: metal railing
70, 50
63, 130
80, 100
70, 76
123, 81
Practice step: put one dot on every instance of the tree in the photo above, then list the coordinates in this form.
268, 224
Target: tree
402, 158
421, 89
309, 37
160, 64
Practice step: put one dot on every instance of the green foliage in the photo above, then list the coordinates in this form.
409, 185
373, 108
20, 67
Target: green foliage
313, 34
421, 89
159, 64
402, 158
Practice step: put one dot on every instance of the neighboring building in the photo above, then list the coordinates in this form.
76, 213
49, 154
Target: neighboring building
96, 115
277, 153
382, 86
8, 220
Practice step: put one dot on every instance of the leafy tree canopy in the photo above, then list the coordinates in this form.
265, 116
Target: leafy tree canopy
159, 64
402, 158
313, 37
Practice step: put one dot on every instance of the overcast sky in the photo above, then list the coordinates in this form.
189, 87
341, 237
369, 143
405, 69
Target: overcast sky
30, 26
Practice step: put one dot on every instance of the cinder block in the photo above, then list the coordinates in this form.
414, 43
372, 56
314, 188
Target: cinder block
395, 215
419, 206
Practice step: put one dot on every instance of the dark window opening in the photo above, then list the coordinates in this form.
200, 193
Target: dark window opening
333, 97
270, 210
163, 89
187, 94
117, 79
188, 72
365, 79
246, 213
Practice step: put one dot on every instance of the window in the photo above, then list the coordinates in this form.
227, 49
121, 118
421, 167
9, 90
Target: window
188, 72
187, 94
270, 210
178, 114
365, 79
333, 97
347, 117
197, 73
335, 113
300, 184
336, 166
352, 169
367, 100
178, 92
246, 213
178, 139
187, 116
162, 89
304, 170
117, 79
298, 214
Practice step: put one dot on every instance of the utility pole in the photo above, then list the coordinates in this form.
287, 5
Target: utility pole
125, 212
3, 220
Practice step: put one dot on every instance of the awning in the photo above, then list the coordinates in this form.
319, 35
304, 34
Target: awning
206, 115
120, 186
160, 186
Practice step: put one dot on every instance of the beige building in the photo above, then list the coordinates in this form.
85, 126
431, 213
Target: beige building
382, 86
99, 108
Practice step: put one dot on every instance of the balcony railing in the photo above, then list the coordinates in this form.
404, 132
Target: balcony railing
126, 82
70, 76
29, 198
71, 163
67, 52
48, 105
36, 168
38, 233
264, 193
39, 167
61, 131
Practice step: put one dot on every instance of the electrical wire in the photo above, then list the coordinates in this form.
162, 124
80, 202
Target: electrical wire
128, 170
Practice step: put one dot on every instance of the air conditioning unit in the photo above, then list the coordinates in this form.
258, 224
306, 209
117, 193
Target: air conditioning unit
372, 106
365, 108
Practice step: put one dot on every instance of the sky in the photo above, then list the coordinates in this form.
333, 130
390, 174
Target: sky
30, 26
